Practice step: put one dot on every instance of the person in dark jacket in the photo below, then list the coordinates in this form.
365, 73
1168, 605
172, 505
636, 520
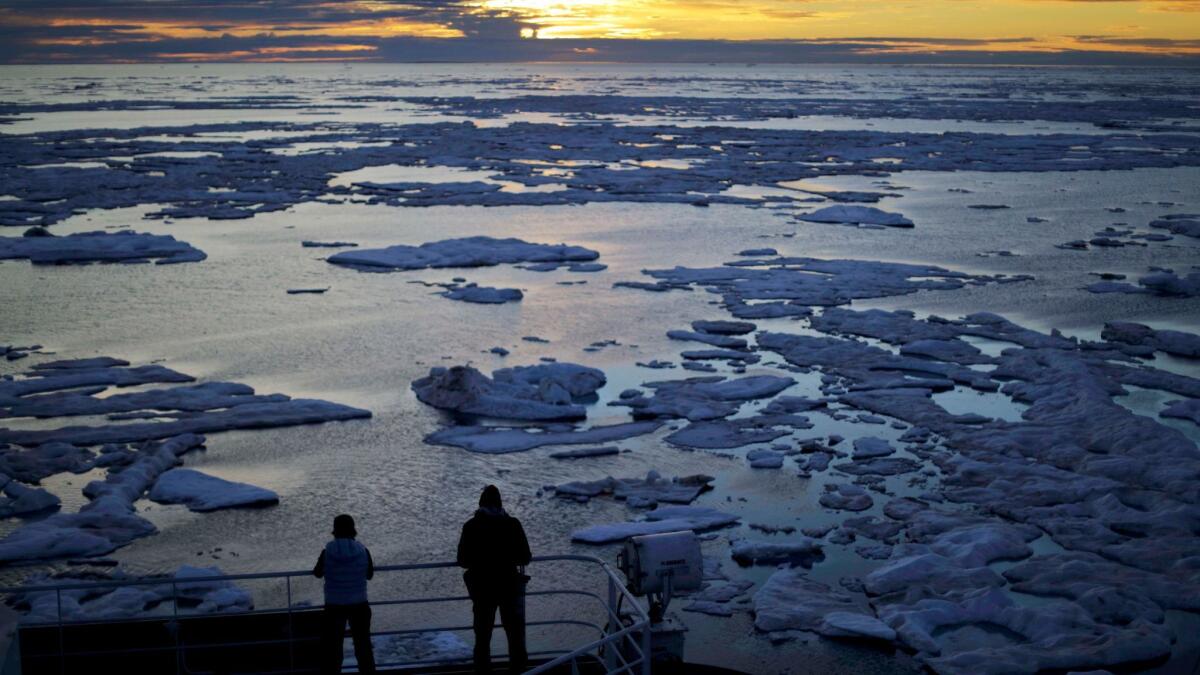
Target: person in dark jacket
492, 548
346, 565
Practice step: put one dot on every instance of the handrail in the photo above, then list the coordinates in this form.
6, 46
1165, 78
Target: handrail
158, 581
616, 631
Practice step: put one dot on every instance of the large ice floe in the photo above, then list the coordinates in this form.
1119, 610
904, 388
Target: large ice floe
547, 391
701, 398
787, 286
500, 440
856, 215
123, 246
466, 252
202, 492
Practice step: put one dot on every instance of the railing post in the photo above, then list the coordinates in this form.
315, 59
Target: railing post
614, 620
646, 649
62, 657
175, 627
291, 629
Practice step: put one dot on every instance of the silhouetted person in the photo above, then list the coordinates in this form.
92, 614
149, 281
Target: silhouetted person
492, 548
346, 565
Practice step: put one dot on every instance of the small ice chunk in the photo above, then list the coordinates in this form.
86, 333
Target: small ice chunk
586, 452
483, 295
724, 327
870, 447
847, 497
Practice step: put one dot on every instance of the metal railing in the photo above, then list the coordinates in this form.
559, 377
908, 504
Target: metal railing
622, 644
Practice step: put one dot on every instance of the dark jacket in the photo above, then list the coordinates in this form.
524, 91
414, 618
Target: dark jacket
493, 545
345, 565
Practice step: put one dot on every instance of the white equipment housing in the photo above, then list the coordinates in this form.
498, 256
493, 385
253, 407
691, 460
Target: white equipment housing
650, 560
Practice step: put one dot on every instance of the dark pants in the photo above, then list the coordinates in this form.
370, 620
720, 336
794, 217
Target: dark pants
508, 595
336, 617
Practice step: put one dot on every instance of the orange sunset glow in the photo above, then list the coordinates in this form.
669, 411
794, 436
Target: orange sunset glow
204, 31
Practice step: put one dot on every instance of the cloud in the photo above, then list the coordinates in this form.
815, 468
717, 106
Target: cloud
34, 31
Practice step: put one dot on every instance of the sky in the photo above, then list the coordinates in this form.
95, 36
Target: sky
769, 31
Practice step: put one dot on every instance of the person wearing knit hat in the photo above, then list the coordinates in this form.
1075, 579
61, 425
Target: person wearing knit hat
493, 550
346, 566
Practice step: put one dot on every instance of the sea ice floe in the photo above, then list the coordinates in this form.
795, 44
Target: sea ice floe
802, 552
32, 464
292, 412
702, 398
188, 398
328, 244
789, 600
1177, 343
127, 602
720, 341
1186, 224
109, 520
720, 597
660, 520
870, 447
1188, 409
22, 500
1164, 282
734, 433
765, 458
498, 440
1052, 636
78, 387
483, 295
638, 492
776, 287
720, 355
122, 246
721, 327
465, 252
846, 497
856, 215
1111, 592
202, 492
581, 453
542, 392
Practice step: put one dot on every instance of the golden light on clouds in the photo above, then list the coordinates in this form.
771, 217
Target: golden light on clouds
863, 26
386, 27
1049, 22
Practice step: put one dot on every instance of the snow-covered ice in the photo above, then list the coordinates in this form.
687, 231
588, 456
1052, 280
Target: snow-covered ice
660, 520
856, 215
202, 492
541, 392
465, 252
122, 246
